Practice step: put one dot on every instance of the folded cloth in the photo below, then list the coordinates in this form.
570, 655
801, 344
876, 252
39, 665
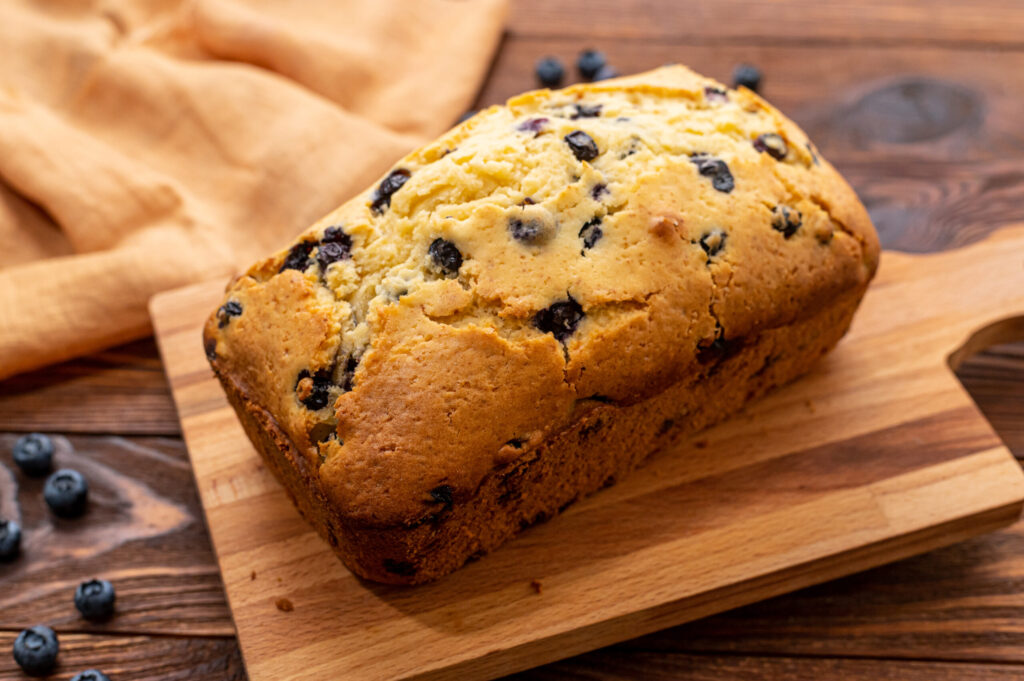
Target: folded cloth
147, 144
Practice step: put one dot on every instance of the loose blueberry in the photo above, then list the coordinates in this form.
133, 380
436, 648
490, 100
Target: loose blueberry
786, 220
381, 198
445, 257
589, 63
606, 72
313, 388
466, 116
773, 144
225, 312
10, 540
95, 599
534, 125
549, 71
591, 232
713, 242
34, 454
298, 257
66, 493
748, 76
35, 650
716, 169
90, 675
559, 319
583, 146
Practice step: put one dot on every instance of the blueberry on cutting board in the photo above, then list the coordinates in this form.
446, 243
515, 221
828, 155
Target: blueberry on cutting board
35, 650
66, 493
33, 453
95, 599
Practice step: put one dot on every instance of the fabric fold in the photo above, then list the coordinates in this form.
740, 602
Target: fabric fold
145, 146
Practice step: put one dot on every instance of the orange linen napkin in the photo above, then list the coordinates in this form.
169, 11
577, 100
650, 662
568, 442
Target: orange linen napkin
147, 144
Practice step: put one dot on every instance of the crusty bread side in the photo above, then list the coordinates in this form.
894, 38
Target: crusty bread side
602, 445
599, 253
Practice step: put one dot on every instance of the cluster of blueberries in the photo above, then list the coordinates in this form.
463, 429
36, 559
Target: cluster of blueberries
592, 65
66, 493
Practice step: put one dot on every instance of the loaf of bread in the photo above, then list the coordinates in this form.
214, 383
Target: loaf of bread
524, 310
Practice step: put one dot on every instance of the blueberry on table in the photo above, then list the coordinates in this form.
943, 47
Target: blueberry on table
66, 493
466, 116
95, 599
35, 650
590, 62
748, 76
605, 72
90, 675
34, 454
10, 540
549, 71
583, 146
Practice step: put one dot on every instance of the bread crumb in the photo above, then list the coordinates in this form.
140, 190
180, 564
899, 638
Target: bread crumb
252, 577
536, 585
810, 406
284, 605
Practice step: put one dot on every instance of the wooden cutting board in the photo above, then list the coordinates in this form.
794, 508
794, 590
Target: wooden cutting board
877, 455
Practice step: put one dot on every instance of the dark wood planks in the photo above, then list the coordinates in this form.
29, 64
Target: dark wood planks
137, 658
785, 22
144, 531
122, 390
615, 664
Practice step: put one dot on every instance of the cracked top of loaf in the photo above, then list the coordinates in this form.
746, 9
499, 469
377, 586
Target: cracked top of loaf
599, 242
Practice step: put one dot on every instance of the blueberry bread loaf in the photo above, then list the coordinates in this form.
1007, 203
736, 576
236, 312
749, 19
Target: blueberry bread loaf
521, 312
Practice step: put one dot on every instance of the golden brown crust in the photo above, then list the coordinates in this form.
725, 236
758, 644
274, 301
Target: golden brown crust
454, 320
603, 443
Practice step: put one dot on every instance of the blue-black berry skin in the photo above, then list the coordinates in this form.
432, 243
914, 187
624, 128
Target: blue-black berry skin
589, 63
10, 540
90, 675
748, 76
35, 650
606, 72
550, 72
95, 599
33, 453
66, 493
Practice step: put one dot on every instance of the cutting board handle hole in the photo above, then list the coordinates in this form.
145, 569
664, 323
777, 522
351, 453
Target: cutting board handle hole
1009, 330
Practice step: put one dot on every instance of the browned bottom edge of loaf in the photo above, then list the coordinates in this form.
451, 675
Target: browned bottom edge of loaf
603, 444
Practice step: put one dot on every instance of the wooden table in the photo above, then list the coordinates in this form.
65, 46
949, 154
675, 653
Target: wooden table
918, 105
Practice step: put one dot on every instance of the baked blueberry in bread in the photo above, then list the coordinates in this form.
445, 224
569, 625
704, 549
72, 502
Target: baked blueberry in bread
522, 311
